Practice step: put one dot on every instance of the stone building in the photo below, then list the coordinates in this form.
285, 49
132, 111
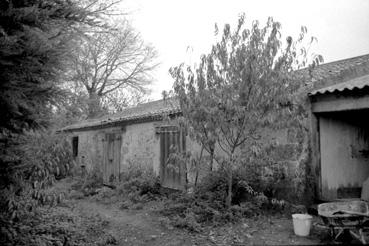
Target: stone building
336, 150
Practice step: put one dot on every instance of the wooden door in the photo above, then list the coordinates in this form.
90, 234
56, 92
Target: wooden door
344, 165
111, 157
172, 174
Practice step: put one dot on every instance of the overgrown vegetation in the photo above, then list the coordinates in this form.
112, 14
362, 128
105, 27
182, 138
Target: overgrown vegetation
49, 226
43, 157
246, 83
35, 42
254, 193
138, 185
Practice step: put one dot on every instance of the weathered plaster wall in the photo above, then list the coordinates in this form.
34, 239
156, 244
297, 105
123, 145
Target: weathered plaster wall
288, 147
90, 146
141, 145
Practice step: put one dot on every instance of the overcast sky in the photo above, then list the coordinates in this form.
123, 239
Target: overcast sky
341, 27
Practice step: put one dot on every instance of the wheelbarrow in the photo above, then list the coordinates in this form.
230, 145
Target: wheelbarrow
345, 216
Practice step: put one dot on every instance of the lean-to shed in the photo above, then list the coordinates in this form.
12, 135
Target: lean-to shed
340, 128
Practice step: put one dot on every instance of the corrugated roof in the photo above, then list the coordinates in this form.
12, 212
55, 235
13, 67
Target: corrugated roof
357, 83
151, 110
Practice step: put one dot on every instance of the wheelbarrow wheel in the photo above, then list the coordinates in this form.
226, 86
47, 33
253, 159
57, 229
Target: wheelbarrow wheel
359, 235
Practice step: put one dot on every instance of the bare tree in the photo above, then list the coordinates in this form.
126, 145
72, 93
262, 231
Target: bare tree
118, 100
115, 60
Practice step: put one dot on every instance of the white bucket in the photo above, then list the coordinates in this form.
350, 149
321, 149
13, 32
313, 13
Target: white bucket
302, 224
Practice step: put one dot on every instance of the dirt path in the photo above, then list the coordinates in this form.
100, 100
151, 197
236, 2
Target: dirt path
143, 227
137, 227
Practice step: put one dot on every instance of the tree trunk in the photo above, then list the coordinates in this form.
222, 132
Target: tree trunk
211, 159
230, 181
197, 166
94, 106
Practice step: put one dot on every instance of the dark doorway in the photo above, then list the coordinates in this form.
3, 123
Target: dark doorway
75, 146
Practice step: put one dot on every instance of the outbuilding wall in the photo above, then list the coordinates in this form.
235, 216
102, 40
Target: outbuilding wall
140, 145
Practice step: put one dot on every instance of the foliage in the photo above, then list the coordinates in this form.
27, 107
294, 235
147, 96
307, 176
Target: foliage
36, 37
86, 183
139, 183
54, 226
244, 83
206, 205
257, 189
42, 157
35, 40
106, 62
34, 43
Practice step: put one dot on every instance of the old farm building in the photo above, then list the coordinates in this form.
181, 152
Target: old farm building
135, 136
339, 139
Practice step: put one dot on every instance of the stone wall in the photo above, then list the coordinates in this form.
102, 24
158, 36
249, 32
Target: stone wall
140, 144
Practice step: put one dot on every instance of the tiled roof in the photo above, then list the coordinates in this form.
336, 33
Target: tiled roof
146, 111
335, 69
154, 110
357, 83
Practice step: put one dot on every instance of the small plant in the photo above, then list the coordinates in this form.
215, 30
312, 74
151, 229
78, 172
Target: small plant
189, 222
92, 182
138, 185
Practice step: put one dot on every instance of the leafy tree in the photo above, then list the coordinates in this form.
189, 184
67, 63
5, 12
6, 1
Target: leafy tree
106, 62
244, 83
35, 42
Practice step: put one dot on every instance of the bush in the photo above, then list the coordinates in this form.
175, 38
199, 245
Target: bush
206, 205
41, 157
92, 182
139, 183
189, 222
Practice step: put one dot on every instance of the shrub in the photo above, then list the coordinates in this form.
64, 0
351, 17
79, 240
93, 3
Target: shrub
138, 185
92, 182
138, 182
41, 158
189, 222
206, 205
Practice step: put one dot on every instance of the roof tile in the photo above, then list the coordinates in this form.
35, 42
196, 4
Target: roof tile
156, 109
